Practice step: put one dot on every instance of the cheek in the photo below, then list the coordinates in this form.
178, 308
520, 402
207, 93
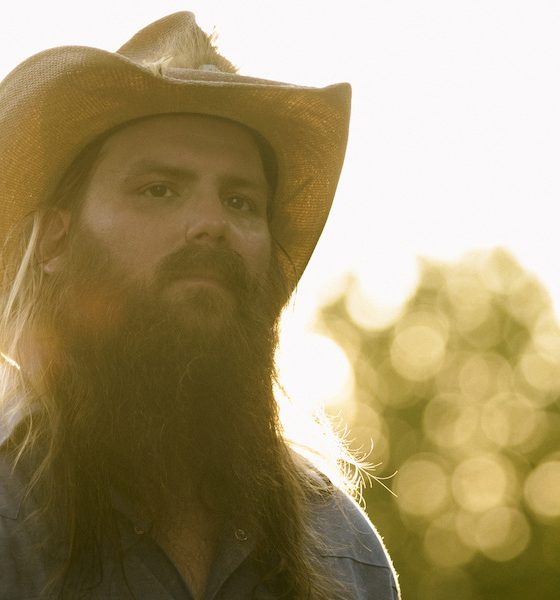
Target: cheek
257, 251
136, 247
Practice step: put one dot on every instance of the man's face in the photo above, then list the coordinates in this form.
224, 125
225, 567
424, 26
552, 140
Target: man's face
177, 181
160, 314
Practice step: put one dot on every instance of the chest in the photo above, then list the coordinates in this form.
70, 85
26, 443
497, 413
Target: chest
191, 544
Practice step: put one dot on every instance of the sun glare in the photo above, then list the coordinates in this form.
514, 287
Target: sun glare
9, 361
314, 370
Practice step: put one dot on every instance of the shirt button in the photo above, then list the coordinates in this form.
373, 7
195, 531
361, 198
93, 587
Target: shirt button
138, 530
241, 535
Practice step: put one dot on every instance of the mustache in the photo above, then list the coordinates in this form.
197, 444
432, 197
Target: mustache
200, 260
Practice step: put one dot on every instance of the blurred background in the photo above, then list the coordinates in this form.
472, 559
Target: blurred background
460, 396
426, 321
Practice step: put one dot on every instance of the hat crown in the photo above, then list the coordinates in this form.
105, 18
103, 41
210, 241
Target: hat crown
175, 41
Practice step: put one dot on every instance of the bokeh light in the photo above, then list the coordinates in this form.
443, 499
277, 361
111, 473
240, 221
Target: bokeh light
510, 419
540, 372
370, 315
418, 346
450, 421
542, 489
443, 544
422, 486
462, 390
481, 482
470, 302
502, 533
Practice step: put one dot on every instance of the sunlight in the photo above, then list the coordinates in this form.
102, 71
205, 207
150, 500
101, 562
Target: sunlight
314, 370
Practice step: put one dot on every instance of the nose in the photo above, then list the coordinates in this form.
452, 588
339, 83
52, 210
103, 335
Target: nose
205, 220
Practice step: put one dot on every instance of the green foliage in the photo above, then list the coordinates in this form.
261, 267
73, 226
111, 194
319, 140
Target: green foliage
460, 396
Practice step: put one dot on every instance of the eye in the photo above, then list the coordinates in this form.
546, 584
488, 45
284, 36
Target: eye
159, 190
240, 203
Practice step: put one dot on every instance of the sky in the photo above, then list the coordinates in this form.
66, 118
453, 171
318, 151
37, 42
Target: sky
455, 133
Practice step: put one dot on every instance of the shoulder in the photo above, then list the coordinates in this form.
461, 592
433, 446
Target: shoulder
22, 566
12, 489
352, 548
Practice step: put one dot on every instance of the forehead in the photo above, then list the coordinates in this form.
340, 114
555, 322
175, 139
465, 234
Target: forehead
176, 133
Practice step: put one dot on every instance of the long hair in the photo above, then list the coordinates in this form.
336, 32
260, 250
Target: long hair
27, 399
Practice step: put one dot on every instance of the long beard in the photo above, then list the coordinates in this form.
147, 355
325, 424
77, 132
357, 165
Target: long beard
165, 401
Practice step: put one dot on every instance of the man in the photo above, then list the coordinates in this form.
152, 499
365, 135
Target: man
157, 211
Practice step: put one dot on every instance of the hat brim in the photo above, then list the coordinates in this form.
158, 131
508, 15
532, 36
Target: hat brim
59, 100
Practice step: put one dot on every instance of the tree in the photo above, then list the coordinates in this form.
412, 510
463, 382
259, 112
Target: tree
460, 395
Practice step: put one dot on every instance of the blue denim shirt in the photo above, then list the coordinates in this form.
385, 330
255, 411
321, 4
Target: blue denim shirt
355, 556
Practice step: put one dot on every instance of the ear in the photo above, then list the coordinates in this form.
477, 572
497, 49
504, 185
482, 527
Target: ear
52, 241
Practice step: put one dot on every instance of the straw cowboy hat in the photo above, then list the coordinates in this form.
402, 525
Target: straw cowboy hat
57, 101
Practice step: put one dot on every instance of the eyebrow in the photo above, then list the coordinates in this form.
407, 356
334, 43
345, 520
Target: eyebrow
148, 166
